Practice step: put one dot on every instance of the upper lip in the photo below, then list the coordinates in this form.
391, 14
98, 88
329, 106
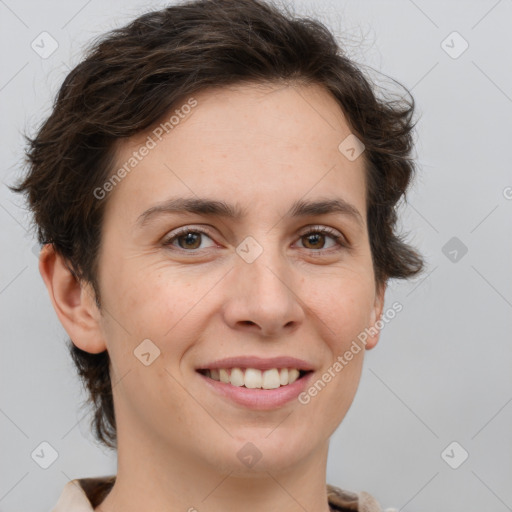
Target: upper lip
258, 363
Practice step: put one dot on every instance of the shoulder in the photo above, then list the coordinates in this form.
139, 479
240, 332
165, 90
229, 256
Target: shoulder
84, 494
344, 500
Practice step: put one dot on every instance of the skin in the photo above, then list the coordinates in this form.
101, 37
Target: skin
177, 439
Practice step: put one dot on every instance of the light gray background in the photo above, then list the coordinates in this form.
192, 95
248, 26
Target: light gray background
442, 370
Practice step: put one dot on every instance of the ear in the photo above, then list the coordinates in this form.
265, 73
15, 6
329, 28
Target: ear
74, 302
373, 331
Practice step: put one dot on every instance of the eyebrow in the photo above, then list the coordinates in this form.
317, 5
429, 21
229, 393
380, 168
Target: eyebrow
216, 208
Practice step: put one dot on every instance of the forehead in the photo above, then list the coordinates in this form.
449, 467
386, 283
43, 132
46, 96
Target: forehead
254, 143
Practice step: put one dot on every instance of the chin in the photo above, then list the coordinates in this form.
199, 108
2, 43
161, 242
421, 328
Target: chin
270, 450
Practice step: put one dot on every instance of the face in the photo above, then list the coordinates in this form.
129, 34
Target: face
256, 277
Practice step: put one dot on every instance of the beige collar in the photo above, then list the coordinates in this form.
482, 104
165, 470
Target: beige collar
74, 497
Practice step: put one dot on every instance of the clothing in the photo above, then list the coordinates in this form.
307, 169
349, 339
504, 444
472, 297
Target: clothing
85, 494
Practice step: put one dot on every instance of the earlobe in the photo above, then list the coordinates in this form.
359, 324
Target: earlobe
376, 313
73, 302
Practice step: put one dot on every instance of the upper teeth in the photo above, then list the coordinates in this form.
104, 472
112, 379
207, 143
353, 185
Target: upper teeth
253, 378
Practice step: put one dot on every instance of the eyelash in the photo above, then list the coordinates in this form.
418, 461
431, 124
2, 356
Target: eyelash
339, 239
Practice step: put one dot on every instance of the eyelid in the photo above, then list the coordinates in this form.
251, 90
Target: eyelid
338, 236
183, 230
320, 227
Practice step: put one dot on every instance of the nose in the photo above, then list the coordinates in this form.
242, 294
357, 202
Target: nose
263, 296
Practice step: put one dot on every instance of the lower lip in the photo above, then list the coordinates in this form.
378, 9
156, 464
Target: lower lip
259, 399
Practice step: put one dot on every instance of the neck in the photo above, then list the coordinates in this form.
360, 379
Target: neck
150, 478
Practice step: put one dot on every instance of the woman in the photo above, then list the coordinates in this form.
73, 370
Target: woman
215, 193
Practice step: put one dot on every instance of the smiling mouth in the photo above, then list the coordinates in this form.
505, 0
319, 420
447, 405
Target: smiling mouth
253, 378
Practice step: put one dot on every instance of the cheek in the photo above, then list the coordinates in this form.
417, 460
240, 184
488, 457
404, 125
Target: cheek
147, 301
349, 309
345, 310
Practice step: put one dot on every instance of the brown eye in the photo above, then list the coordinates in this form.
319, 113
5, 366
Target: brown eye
192, 240
187, 239
315, 239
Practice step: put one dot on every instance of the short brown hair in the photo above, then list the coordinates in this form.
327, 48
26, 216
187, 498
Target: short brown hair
133, 75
